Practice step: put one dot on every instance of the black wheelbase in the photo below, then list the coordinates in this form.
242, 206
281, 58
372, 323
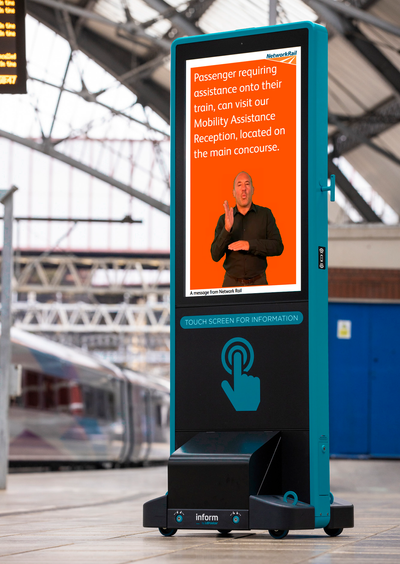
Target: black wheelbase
278, 533
167, 532
224, 532
333, 532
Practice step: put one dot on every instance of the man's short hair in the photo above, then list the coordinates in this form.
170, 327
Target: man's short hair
241, 172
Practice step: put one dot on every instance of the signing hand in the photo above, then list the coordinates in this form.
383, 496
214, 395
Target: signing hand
239, 246
228, 216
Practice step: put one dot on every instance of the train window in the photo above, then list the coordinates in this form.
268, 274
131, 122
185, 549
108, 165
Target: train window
111, 406
89, 401
76, 404
101, 404
63, 396
159, 415
98, 403
43, 391
162, 414
48, 392
31, 388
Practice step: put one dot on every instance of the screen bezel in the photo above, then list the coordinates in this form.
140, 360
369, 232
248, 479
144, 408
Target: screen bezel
246, 43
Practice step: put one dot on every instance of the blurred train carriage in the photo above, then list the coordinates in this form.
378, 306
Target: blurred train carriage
70, 407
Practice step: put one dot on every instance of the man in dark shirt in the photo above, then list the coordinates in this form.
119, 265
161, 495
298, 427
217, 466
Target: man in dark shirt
247, 234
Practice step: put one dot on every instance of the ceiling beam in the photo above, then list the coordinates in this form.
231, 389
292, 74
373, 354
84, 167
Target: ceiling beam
47, 149
362, 4
193, 12
354, 13
197, 8
118, 61
113, 58
92, 97
176, 18
330, 14
332, 119
364, 209
374, 56
369, 125
130, 27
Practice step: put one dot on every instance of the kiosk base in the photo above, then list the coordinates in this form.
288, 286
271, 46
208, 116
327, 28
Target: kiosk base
266, 513
227, 481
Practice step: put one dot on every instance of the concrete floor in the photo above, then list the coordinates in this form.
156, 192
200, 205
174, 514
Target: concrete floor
95, 517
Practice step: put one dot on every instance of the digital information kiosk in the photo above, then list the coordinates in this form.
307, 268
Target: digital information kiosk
249, 358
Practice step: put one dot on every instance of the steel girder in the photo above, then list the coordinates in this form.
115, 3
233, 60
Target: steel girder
364, 209
133, 72
347, 132
122, 318
369, 125
48, 149
91, 276
112, 57
354, 132
178, 19
195, 9
328, 11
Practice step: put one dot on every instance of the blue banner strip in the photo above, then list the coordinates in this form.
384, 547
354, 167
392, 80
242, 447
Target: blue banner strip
241, 320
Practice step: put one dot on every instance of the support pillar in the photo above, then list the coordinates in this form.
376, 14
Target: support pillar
6, 198
272, 12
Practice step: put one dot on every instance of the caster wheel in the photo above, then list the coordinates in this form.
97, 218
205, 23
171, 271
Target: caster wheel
224, 532
278, 534
333, 532
167, 532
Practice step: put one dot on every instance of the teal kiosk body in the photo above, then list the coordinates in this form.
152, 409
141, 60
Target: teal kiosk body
249, 358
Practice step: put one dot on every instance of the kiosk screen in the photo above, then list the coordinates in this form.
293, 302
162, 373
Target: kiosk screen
243, 114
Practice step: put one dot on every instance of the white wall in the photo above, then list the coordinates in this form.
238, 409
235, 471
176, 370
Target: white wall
364, 246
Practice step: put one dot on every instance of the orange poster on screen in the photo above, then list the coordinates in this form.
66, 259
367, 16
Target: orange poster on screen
243, 115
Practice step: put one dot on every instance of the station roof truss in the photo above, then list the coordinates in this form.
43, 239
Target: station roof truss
37, 317
130, 40
116, 306
91, 277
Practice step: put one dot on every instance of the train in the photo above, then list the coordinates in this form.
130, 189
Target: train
68, 407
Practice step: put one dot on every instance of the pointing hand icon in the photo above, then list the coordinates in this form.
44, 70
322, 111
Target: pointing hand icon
245, 394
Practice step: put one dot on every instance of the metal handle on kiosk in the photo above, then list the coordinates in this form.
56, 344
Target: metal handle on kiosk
330, 188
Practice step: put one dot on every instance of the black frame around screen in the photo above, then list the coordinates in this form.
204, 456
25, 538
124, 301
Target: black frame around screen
228, 46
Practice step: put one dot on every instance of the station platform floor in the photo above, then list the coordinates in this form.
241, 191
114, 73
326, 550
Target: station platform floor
85, 517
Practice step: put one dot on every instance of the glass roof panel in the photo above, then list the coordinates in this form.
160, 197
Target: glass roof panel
79, 110
224, 15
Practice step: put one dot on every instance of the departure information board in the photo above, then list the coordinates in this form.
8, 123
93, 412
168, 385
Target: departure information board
12, 47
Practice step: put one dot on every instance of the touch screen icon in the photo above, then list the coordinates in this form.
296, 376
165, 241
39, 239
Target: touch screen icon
237, 358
